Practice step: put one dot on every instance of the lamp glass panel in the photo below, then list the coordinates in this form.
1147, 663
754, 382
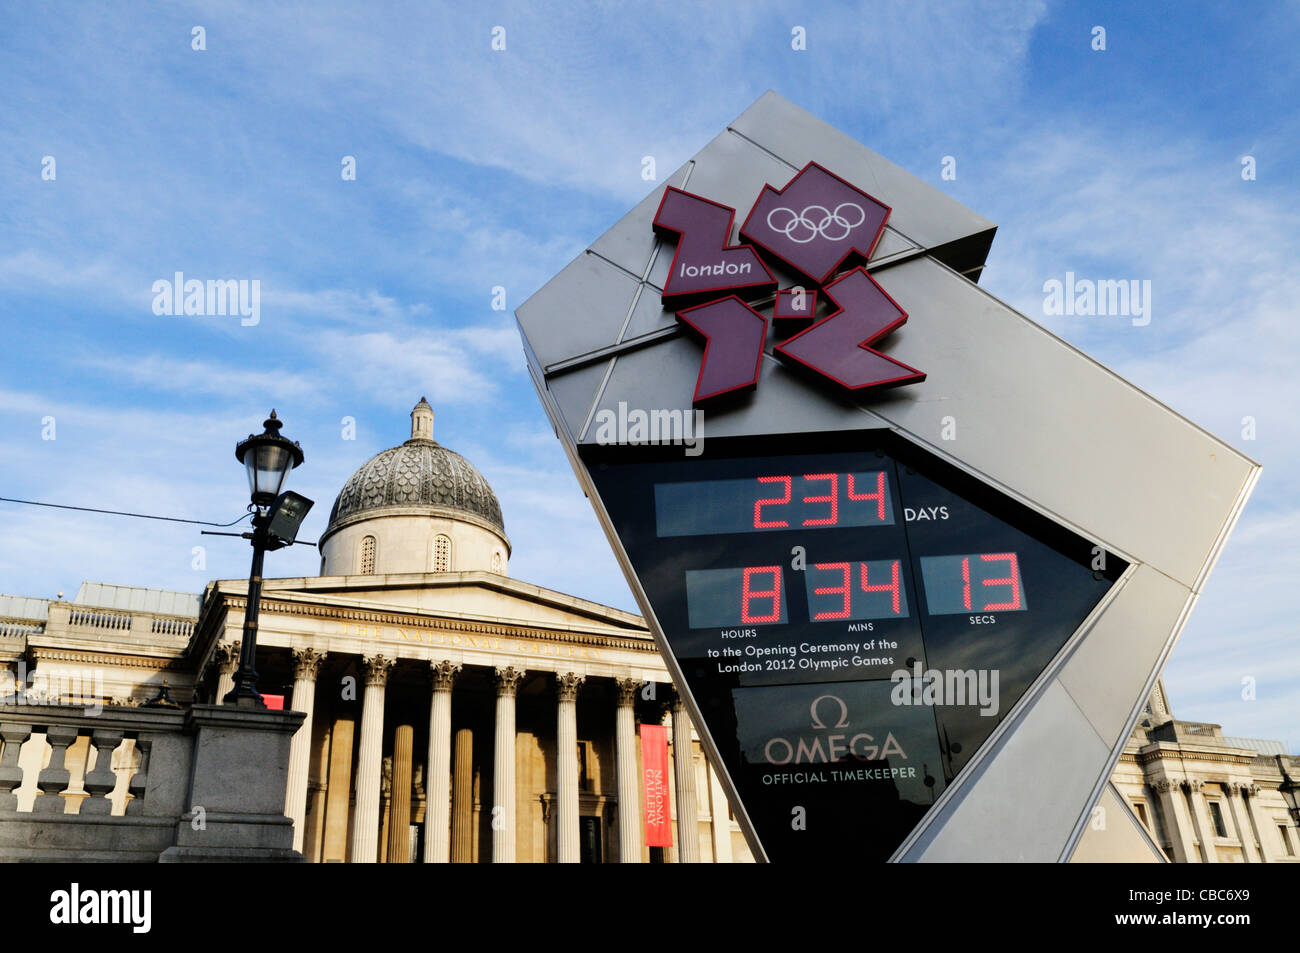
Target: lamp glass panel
268, 465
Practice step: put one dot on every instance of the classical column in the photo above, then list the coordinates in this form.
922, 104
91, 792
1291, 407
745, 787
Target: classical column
399, 818
629, 791
1232, 793
688, 809
568, 843
385, 802
338, 789
720, 814
503, 767
437, 811
1201, 816
462, 799
306, 665
227, 658
370, 760
1250, 793
1177, 821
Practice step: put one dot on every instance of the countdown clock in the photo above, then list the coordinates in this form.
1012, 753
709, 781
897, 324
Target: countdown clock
914, 569
812, 599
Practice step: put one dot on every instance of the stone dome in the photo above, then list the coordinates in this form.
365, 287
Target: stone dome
419, 474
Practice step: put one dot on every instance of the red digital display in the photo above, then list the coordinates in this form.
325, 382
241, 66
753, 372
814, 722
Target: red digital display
1012, 581
856, 590
769, 598
784, 497
979, 582
777, 501
850, 590
877, 495
819, 501
833, 498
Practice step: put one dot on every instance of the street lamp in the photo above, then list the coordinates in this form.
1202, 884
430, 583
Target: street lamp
1289, 789
276, 518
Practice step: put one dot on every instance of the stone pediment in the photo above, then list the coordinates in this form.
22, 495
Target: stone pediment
471, 596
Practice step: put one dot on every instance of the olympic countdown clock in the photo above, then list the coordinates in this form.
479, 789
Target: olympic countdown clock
913, 562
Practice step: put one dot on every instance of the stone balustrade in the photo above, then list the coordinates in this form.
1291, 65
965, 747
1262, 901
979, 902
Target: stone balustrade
1189, 732
105, 619
20, 628
144, 784
172, 625
83, 621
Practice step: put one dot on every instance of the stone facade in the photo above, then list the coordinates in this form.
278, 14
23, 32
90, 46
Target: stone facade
1204, 798
442, 702
449, 712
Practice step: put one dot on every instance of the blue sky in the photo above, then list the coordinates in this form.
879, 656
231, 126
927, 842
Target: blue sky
478, 168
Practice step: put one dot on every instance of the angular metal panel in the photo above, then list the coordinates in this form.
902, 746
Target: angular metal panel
1106, 675
574, 393
1056, 427
1010, 812
1112, 666
891, 244
920, 211
649, 314
629, 242
663, 376
581, 309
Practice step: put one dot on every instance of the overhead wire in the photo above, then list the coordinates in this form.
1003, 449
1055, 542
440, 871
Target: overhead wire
143, 516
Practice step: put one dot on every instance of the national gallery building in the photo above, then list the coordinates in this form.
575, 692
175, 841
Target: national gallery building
453, 713
456, 714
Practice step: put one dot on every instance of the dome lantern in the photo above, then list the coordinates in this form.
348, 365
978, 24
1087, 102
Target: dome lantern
422, 421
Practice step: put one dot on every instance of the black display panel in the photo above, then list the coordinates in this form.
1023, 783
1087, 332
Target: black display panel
849, 662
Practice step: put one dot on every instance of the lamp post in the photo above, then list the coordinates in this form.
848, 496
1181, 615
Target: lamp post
1289, 789
269, 457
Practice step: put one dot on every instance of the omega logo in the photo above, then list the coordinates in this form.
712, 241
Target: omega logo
844, 711
830, 748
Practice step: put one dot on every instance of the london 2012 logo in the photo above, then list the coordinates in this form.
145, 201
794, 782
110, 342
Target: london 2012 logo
814, 227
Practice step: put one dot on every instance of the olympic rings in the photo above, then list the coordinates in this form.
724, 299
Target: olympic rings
809, 227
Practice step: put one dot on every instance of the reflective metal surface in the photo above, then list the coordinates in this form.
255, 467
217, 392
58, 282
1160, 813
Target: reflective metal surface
1004, 400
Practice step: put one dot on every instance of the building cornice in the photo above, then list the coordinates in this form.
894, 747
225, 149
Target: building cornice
341, 586
153, 663
442, 623
1168, 751
409, 620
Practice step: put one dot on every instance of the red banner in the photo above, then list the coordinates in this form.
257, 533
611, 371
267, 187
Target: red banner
654, 783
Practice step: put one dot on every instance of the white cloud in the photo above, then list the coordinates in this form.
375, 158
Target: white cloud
406, 363
165, 373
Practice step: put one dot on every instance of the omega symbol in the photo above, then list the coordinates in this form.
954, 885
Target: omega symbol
844, 712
